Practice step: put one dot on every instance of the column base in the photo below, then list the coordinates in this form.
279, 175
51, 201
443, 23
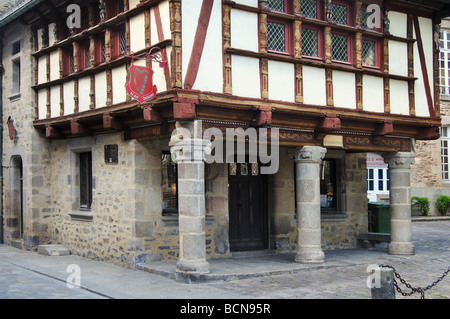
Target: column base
193, 267
401, 248
309, 255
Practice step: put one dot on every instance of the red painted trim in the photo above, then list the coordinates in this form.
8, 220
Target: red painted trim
320, 42
160, 31
426, 81
288, 38
199, 42
378, 52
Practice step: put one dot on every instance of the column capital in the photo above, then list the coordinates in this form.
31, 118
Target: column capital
186, 143
399, 159
309, 154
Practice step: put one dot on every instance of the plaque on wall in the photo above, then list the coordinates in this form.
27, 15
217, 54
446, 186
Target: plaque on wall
111, 154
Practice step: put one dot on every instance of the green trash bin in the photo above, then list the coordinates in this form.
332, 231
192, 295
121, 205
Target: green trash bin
379, 217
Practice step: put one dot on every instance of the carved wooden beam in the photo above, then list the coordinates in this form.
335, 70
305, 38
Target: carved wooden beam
152, 115
110, 122
52, 132
264, 116
387, 127
428, 133
78, 128
329, 123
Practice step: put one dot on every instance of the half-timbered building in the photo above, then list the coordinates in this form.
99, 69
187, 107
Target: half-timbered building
105, 174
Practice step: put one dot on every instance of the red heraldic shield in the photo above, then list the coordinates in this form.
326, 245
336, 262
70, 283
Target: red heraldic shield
140, 83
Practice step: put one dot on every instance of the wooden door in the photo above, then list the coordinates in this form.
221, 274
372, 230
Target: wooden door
247, 207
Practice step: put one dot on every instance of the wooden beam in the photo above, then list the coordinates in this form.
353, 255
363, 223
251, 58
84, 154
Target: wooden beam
387, 127
199, 42
264, 116
151, 115
110, 122
52, 132
329, 123
77, 128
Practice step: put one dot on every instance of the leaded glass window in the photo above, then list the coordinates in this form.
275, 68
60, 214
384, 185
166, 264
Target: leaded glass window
368, 53
364, 18
122, 42
103, 49
310, 42
339, 47
339, 13
277, 5
87, 54
309, 8
276, 37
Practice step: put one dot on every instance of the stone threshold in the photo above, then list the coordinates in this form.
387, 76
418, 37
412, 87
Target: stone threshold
238, 266
429, 218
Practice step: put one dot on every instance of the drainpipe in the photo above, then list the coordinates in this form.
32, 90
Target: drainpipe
1, 137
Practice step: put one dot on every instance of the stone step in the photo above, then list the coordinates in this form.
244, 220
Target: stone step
53, 250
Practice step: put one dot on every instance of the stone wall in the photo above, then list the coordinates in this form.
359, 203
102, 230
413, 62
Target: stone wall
426, 172
27, 151
340, 232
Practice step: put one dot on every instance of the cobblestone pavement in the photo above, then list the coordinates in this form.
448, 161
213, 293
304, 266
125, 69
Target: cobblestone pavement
432, 258
343, 276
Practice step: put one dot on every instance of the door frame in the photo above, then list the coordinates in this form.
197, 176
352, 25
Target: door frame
263, 211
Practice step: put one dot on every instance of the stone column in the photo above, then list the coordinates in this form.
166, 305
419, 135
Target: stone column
307, 162
400, 202
187, 152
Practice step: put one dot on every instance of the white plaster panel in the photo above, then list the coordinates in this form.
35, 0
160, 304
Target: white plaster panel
421, 101
399, 97
42, 69
84, 87
51, 33
39, 38
398, 58
100, 89
398, 23
373, 94
54, 65
314, 88
245, 76
42, 103
344, 92
191, 13
159, 78
165, 18
251, 3
210, 73
119, 77
281, 81
68, 88
54, 101
133, 3
244, 30
137, 32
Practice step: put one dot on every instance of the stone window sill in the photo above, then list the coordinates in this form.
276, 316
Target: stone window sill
333, 217
80, 215
14, 97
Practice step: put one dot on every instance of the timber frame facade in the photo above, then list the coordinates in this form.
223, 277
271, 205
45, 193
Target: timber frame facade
335, 87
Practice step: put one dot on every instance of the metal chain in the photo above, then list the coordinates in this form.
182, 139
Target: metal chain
413, 289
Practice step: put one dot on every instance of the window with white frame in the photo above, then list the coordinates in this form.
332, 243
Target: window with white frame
445, 139
444, 62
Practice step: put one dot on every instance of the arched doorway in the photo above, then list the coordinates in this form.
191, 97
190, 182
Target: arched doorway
16, 178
